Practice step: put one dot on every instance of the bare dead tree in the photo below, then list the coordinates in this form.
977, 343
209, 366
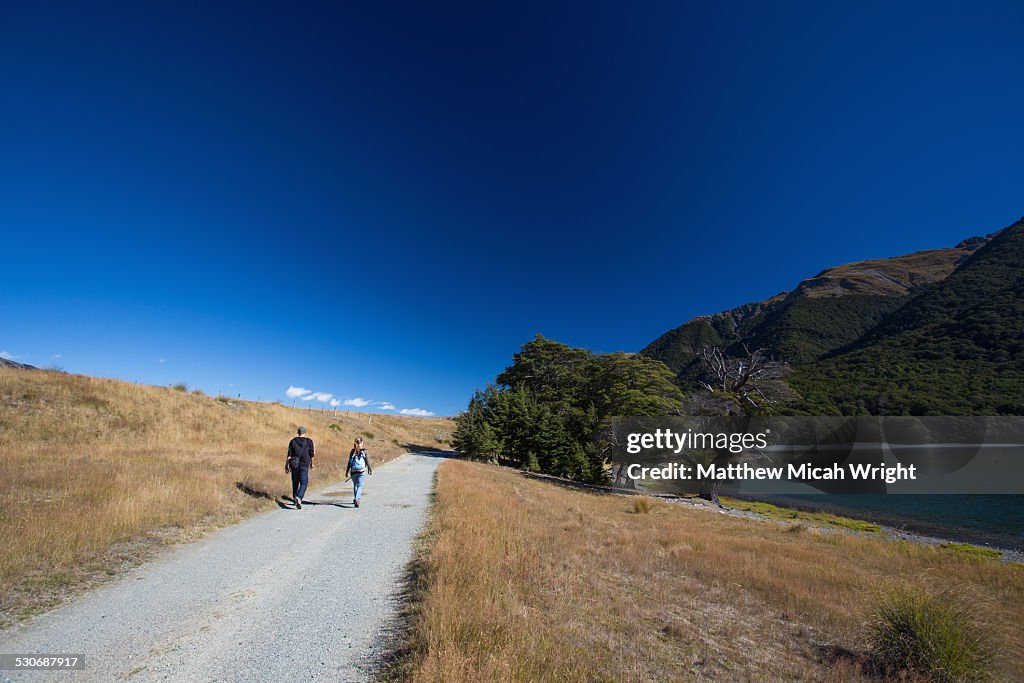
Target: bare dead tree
744, 376
732, 382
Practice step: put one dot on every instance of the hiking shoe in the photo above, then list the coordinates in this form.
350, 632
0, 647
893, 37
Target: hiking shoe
356, 502
298, 503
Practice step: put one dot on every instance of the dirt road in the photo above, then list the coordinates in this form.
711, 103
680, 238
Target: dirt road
290, 595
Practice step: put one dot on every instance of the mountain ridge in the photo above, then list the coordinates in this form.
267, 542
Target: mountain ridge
848, 308
783, 324
957, 347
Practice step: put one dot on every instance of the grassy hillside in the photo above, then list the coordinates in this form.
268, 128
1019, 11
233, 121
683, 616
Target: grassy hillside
96, 473
523, 580
896, 276
956, 347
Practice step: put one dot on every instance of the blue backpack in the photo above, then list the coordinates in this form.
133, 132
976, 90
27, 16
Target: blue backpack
357, 462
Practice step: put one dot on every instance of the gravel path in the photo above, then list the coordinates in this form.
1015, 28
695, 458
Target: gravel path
290, 595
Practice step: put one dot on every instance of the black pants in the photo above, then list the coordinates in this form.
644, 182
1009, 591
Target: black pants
300, 479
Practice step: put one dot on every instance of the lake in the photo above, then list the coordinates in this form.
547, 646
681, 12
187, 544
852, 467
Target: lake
996, 520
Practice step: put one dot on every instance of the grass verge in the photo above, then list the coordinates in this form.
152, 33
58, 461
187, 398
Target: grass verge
522, 580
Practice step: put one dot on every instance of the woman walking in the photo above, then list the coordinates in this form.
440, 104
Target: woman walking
358, 467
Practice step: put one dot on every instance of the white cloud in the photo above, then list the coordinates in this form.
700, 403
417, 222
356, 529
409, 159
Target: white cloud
357, 402
58, 355
321, 396
162, 360
8, 355
418, 412
335, 403
384, 405
295, 392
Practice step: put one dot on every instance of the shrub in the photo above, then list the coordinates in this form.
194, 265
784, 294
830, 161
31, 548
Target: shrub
368, 436
531, 464
935, 635
179, 386
641, 505
335, 427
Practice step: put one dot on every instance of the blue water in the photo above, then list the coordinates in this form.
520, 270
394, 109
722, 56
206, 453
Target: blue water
982, 519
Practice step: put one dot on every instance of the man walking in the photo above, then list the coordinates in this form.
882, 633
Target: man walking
299, 462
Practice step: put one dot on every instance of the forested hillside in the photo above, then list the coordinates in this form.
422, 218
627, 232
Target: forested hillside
822, 314
934, 332
957, 347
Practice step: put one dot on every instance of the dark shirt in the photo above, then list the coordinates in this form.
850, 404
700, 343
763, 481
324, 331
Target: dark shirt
301, 447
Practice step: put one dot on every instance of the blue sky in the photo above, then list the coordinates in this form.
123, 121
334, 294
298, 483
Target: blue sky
384, 201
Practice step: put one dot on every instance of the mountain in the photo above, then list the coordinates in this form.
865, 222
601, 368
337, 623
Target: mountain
678, 348
866, 336
824, 313
956, 347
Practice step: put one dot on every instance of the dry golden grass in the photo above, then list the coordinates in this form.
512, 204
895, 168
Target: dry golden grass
524, 580
95, 473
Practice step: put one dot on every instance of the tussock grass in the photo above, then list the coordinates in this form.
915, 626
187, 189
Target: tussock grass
642, 505
522, 580
938, 635
95, 473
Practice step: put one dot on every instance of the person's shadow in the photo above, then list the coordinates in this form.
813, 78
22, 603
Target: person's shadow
332, 504
288, 503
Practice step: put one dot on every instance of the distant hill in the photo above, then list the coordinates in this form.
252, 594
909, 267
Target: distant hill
953, 308
4, 363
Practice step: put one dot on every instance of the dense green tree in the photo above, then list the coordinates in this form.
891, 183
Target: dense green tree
515, 416
557, 451
630, 384
555, 373
552, 402
475, 434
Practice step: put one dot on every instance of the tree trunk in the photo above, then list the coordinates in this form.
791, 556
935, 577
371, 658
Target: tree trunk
709, 489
